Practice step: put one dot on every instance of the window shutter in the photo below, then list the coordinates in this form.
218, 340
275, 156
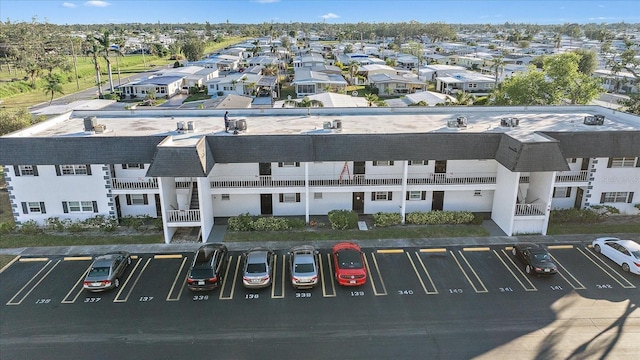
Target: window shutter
391, 163
407, 195
57, 170
141, 166
602, 198
25, 209
297, 197
16, 170
279, 164
88, 169
554, 192
373, 196
568, 193
35, 170
65, 207
389, 196
95, 206
128, 199
124, 166
424, 195
145, 199
42, 208
610, 162
630, 198
297, 164
638, 162
281, 197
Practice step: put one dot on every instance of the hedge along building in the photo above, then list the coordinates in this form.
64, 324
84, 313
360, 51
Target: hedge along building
514, 163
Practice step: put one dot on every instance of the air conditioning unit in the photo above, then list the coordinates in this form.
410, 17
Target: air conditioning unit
89, 123
509, 122
180, 126
594, 120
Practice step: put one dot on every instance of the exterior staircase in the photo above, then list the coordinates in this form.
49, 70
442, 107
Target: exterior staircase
194, 204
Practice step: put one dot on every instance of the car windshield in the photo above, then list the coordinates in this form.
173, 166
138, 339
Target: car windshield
349, 259
303, 268
541, 256
636, 254
256, 268
199, 273
99, 271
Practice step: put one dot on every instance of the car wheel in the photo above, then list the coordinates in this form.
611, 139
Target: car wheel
596, 248
117, 283
625, 267
528, 269
513, 251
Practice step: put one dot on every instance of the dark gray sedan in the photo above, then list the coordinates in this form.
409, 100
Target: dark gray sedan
106, 270
535, 258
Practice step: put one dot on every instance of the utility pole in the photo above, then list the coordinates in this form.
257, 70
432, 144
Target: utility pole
75, 62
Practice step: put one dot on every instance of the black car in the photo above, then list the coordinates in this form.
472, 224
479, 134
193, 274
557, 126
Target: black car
535, 258
208, 264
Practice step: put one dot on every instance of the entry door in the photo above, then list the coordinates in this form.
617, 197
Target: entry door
158, 206
578, 203
437, 201
441, 166
585, 164
266, 204
118, 210
358, 202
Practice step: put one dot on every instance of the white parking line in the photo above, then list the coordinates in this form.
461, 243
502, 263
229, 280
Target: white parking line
175, 282
11, 302
629, 284
429, 292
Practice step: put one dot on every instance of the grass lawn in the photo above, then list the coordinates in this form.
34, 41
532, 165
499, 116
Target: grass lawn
5, 259
597, 228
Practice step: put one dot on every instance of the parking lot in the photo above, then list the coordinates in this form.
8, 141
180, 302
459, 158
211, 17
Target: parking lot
402, 272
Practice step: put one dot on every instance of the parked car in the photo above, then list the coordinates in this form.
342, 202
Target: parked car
206, 270
303, 266
106, 270
258, 268
348, 263
535, 258
625, 253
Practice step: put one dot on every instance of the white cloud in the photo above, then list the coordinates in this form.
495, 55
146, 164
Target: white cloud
329, 16
68, 5
97, 3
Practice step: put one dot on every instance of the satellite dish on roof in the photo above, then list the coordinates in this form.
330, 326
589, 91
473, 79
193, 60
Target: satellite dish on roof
354, 94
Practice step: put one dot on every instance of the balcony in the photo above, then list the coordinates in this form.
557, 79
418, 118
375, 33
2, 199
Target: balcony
537, 209
572, 176
134, 183
356, 180
183, 216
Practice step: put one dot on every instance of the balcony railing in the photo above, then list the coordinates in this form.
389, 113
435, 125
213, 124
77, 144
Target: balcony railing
298, 181
530, 209
572, 176
134, 183
183, 216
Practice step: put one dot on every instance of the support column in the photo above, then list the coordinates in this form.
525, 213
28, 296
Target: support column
405, 174
306, 192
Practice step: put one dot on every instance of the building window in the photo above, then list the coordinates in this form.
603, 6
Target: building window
306, 89
225, 197
25, 170
137, 199
415, 195
617, 162
477, 193
381, 196
488, 85
79, 206
616, 197
472, 86
562, 192
133, 166
288, 164
383, 163
33, 207
573, 160
73, 169
418, 162
317, 195
290, 197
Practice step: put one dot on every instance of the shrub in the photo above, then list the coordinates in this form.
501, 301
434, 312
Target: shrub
241, 222
6, 228
439, 217
343, 219
477, 219
30, 227
578, 216
57, 224
270, 224
381, 219
295, 223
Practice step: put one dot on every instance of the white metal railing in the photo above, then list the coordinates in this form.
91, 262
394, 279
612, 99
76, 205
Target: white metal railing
377, 179
134, 183
530, 209
572, 176
183, 215
184, 182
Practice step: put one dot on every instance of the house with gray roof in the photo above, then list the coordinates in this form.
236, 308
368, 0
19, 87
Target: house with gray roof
309, 82
512, 164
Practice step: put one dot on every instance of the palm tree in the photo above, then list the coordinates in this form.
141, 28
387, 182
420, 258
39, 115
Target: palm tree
371, 99
270, 70
353, 69
305, 102
464, 98
105, 47
498, 66
53, 86
94, 50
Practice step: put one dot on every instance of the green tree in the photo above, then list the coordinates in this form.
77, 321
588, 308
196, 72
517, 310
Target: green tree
415, 49
498, 68
14, 120
104, 43
568, 82
305, 102
371, 99
632, 104
353, 70
528, 88
588, 61
93, 48
193, 49
53, 85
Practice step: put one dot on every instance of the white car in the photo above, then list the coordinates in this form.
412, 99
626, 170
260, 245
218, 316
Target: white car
625, 253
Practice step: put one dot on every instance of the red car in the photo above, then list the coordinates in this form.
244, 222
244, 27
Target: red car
348, 262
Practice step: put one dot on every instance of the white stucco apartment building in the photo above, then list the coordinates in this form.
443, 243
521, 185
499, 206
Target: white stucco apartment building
514, 164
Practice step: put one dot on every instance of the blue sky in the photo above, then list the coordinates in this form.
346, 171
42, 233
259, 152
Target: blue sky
331, 11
